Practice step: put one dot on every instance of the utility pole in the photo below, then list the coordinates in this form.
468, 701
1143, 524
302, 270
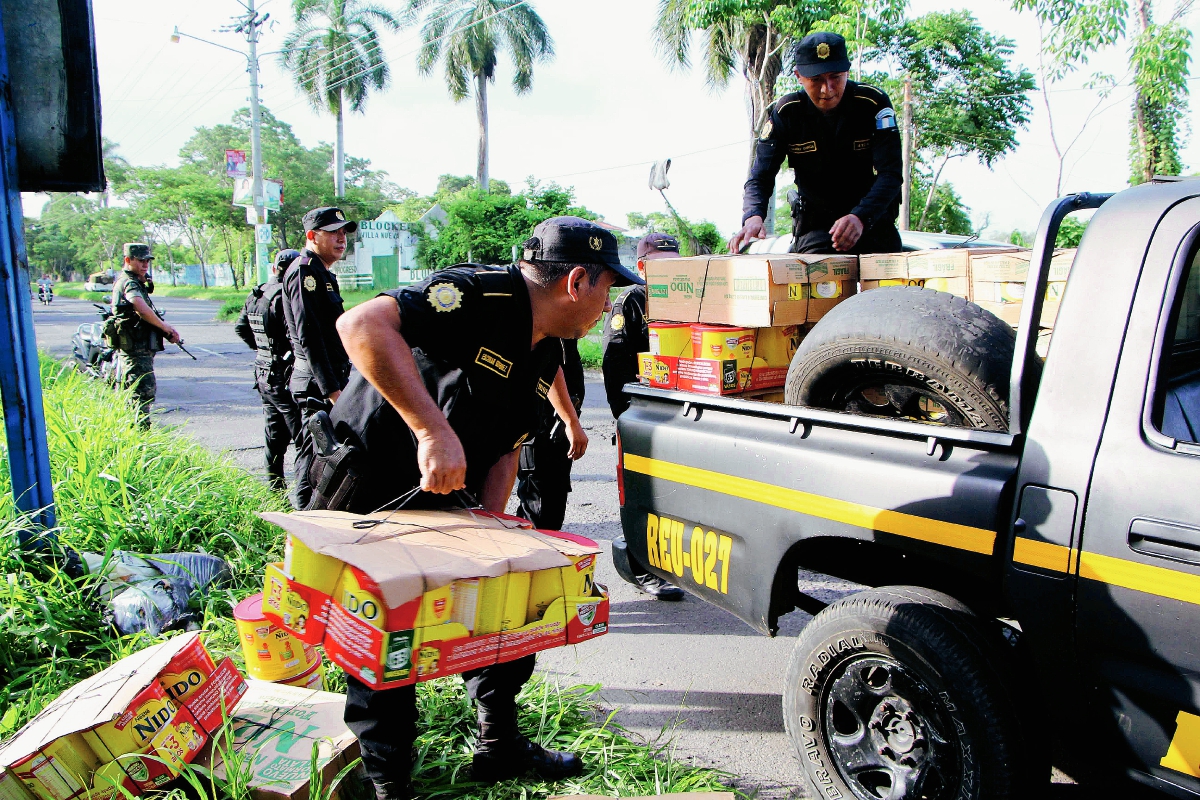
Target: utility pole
250, 28
906, 131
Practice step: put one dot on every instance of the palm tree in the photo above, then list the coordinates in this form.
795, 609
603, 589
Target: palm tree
335, 57
467, 35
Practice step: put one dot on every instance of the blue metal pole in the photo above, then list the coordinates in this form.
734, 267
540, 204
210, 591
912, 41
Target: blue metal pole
20, 381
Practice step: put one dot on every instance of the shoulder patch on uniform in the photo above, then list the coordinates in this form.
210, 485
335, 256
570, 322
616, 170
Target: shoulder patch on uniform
445, 297
543, 388
767, 129
310, 283
617, 322
885, 119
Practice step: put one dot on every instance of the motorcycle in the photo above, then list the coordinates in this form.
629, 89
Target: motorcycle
45, 293
93, 356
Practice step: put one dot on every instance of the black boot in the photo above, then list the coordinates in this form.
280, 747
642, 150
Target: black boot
392, 791
502, 752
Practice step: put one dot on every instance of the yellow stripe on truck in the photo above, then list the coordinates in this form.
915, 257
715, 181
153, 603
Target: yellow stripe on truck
962, 537
1140, 577
1042, 554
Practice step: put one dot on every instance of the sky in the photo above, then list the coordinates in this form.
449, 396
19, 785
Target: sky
599, 114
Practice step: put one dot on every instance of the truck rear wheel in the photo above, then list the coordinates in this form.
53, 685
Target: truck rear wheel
893, 693
909, 353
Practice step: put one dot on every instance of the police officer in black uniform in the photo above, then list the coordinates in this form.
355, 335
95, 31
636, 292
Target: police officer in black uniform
312, 305
841, 139
449, 376
263, 328
627, 333
544, 466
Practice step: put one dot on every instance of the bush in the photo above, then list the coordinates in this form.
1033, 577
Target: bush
116, 487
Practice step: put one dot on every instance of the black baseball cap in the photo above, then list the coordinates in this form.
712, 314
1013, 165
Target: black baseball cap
657, 241
328, 219
284, 258
574, 240
819, 53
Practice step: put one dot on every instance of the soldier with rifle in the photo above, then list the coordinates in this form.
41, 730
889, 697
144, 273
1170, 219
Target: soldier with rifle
136, 329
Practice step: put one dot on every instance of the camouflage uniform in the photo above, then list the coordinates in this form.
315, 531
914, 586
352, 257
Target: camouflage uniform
136, 341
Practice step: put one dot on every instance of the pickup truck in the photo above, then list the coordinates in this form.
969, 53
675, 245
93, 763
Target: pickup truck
1032, 589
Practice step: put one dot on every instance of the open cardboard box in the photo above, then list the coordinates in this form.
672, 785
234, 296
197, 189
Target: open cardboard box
408, 596
754, 291
162, 703
274, 732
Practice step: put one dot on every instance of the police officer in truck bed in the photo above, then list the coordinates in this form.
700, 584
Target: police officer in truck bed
841, 139
312, 304
449, 376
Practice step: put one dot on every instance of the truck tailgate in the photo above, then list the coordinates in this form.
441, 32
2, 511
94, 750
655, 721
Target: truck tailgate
718, 491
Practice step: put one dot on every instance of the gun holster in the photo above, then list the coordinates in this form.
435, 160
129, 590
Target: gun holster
334, 475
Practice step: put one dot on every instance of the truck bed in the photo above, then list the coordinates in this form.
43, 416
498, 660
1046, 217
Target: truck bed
745, 492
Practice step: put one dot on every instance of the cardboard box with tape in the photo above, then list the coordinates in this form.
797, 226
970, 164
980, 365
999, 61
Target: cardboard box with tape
998, 284
753, 291
422, 594
944, 270
130, 728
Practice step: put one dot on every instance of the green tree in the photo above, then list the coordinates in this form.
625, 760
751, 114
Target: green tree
944, 212
485, 227
1159, 61
181, 199
968, 99
305, 173
704, 233
467, 36
335, 57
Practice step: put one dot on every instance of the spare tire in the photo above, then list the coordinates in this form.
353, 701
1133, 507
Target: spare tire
908, 353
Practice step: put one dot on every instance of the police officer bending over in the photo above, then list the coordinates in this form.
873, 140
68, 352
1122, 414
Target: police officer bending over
448, 378
312, 304
627, 333
137, 329
841, 139
262, 326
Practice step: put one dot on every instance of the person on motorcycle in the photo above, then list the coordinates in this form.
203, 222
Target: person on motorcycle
138, 329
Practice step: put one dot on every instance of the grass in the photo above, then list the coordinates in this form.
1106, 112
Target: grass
117, 486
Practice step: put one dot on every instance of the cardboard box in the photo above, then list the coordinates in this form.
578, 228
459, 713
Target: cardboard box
754, 291
274, 731
710, 376
425, 594
955, 286
882, 266
949, 262
661, 372
1013, 267
125, 714
674, 288
1006, 300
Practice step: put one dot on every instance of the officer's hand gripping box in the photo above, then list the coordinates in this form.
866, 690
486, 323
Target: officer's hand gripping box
420, 594
128, 729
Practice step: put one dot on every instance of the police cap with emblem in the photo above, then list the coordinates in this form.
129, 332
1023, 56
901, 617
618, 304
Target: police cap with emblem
138, 250
284, 259
573, 240
657, 242
328, 219
819, 53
